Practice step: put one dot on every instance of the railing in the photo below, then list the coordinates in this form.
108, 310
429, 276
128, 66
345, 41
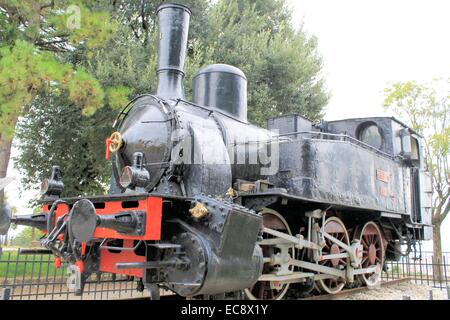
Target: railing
26, 276
338, 137
423, 269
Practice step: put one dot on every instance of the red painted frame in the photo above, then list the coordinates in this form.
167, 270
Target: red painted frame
153, 208
151, 205
109, 259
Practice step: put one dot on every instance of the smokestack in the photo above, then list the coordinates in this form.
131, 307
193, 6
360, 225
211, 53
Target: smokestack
173, 28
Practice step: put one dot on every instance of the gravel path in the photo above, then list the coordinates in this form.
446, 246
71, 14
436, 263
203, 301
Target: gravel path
398, 291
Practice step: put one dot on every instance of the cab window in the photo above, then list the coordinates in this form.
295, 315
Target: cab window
370, 134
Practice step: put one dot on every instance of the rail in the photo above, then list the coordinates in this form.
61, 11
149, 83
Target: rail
341, 137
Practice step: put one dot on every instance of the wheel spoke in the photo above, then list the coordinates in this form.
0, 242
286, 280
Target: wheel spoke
262, 290
364, 243
371, 240
334, 285
271, 294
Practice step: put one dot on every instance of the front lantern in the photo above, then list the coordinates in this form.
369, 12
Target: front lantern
53, 187
135, 176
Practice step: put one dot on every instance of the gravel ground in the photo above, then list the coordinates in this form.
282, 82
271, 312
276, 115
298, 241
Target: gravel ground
398, 291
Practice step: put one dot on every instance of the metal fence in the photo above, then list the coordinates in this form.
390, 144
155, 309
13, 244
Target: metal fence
421, 268
26, 276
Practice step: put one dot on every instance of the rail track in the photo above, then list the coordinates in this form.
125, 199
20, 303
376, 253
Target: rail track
337, 296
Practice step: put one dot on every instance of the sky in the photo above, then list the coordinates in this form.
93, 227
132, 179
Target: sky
365, 45
368, 44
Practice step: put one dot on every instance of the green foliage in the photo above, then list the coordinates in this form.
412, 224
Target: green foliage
25, 267
25, 72
24, 238
52, 25
403, 99
426, 107
60, 134
33, 36
67, 124
85, 91
92, 29
118, 96
282, 65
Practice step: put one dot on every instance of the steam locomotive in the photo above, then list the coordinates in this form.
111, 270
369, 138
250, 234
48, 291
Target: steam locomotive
207, 205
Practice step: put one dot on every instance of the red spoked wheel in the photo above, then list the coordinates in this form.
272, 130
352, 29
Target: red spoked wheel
373, 251
272, 290
336, 228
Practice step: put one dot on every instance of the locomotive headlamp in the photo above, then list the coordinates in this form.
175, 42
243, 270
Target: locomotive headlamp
135, 176
126, 178
115, 141
53, 187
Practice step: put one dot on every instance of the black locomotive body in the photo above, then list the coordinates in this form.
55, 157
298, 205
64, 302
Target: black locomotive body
204, 203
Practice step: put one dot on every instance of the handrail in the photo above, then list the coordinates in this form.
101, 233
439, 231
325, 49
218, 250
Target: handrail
343, 137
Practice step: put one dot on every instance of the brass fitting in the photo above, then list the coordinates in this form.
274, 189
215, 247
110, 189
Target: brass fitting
198, 211
116, 141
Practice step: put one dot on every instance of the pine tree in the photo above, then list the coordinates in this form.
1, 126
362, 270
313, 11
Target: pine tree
34, 35
282, 66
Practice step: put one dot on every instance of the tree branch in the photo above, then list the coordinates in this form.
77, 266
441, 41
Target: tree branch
444, 213
46, 43
48, 5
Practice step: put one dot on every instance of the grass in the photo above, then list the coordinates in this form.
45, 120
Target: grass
27, 266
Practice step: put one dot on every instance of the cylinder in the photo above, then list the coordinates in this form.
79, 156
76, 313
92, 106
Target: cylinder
222, 87
173, 28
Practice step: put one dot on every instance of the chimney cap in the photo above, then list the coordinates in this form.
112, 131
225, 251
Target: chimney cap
173, 5
222, 68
